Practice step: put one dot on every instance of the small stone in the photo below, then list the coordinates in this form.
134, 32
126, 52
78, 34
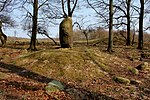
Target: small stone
121, 80
135, 82
142, 66
133, 70
54, 86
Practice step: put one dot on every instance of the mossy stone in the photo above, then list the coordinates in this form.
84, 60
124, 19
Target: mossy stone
66, 33
135, 82
54, 86
133, 70
121, 80
142, 66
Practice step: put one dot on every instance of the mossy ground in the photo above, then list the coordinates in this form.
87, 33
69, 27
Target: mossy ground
71, 64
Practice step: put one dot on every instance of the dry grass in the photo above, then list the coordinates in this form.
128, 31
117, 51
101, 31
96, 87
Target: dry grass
88, 69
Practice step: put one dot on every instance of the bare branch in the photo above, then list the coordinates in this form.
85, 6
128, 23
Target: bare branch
42, 4
63, 8
74, 7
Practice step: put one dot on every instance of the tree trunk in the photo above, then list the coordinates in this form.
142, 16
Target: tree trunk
51, 39
128, 23
66, 33
110, 42
133, 37
34, 27
3, 37
140, 40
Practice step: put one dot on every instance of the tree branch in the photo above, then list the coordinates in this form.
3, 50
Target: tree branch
42, 4
74, 7
63, 8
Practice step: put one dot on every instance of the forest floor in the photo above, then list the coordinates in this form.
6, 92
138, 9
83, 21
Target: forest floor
87, 72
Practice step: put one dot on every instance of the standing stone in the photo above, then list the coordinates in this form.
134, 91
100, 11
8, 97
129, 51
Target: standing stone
66, 33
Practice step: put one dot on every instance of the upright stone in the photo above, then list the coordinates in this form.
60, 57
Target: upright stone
66, 33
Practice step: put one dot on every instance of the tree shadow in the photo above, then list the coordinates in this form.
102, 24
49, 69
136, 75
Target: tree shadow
79, 94
25, 73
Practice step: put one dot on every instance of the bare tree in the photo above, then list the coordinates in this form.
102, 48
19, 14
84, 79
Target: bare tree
125, 13
47, 12
6, 7
141, 19
128, 23
110, 42
34, 26
102, 7
83, 30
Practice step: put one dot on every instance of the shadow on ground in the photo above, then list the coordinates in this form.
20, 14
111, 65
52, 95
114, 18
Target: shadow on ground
88, 95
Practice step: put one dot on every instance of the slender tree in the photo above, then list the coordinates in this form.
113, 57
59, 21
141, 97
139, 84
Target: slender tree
123, 14
110, 41
33, 21
34, 26
128, 23
141, 18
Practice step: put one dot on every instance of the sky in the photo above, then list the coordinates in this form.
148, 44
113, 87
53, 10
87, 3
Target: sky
53, 31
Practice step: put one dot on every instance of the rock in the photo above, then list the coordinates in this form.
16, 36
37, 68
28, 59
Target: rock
133, 70
135, 82
142, 66
54, 86
121, 80
66, 33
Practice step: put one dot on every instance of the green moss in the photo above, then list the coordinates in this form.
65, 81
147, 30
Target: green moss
73, 64
121, 80
135, 82
54, 86
96, 59
133, 70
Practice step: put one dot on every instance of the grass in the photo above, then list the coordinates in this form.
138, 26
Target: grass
66, 63
88, 68
3, 75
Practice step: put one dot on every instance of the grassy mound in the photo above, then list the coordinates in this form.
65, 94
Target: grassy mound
67, 64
